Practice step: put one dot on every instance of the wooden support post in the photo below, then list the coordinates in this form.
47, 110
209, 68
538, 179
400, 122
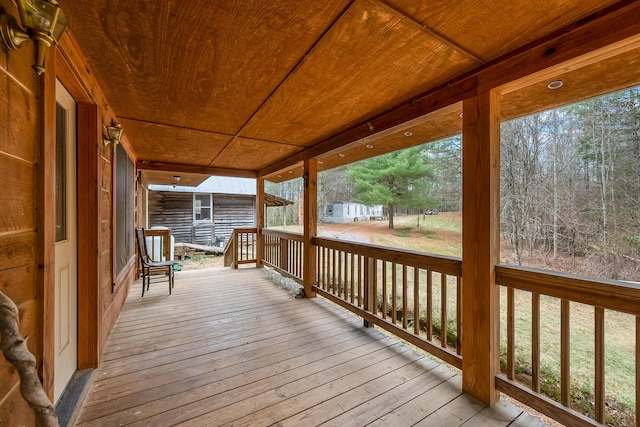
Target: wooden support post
310, 224
260, 220
46, 205
480, 246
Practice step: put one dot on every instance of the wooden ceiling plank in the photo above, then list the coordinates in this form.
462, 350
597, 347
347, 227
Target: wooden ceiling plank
202, 170
430, 102
371, 59
434, 34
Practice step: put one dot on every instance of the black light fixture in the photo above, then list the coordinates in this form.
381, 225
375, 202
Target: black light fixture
44, 23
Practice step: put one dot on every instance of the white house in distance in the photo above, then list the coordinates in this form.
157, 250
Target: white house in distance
341, 212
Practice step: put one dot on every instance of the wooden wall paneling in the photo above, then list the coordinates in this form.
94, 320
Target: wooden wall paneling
173, 210
17, 249
480, 246
18, 104
310, 225
232, 211
115, 301
46, 220
88, 232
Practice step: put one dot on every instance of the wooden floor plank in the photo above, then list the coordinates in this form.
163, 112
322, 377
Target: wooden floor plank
367, 381
198, 387
361, 406
454, 414
422, 405
231, 348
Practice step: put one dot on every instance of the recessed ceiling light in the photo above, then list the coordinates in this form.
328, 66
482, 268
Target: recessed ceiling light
408, 133
279, 176
556, 84
369, 146
461, 115
342, 155
290, 171
320, 162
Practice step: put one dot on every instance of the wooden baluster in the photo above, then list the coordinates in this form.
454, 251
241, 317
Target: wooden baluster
360, 279
416, 301
511, 334
535, 342
394, 293
384, 289
404, 296
637, 370
339, 275
352, 267
429, 305
458, 313
565, 365
443, 310
599, 364
333, 271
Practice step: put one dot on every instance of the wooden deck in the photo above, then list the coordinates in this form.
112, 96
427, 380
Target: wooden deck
231, 348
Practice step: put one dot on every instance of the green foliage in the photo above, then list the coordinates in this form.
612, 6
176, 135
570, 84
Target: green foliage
398, 179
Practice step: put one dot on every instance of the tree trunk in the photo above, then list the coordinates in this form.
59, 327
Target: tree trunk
390, 216
14, 348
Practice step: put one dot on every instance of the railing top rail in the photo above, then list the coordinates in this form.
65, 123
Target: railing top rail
297, 237
440, 263
245, 230
157, 232
604, 293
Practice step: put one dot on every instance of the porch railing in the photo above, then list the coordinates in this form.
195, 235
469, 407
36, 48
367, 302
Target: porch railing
283, 252
560, 292
417, 297
410, 294
241, 247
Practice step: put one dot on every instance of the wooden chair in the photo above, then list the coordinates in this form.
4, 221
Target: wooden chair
149, 265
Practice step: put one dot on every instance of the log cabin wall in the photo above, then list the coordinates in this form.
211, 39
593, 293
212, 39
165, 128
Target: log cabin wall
19, 177
175, 211
232, 211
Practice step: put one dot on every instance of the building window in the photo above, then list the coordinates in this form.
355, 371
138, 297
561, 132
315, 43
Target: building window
125, 209
202, 207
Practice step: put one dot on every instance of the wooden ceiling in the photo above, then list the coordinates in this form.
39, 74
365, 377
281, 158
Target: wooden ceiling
243, 84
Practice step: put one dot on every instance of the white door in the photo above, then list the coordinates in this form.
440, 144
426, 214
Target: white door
66, 252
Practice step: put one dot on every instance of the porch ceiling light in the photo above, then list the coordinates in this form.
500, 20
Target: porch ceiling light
113, 133
44, 23
408, 133
556, 84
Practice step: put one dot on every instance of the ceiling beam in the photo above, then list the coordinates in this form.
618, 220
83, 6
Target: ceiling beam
204, 170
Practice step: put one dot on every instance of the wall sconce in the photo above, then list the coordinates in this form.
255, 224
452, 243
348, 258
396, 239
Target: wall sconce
44, 22
113, 133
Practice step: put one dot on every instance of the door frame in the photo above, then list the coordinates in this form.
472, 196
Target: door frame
60, 66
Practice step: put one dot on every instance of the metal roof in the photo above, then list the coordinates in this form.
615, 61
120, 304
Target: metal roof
215, 185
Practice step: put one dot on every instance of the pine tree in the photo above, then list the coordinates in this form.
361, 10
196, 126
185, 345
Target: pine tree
398, 179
